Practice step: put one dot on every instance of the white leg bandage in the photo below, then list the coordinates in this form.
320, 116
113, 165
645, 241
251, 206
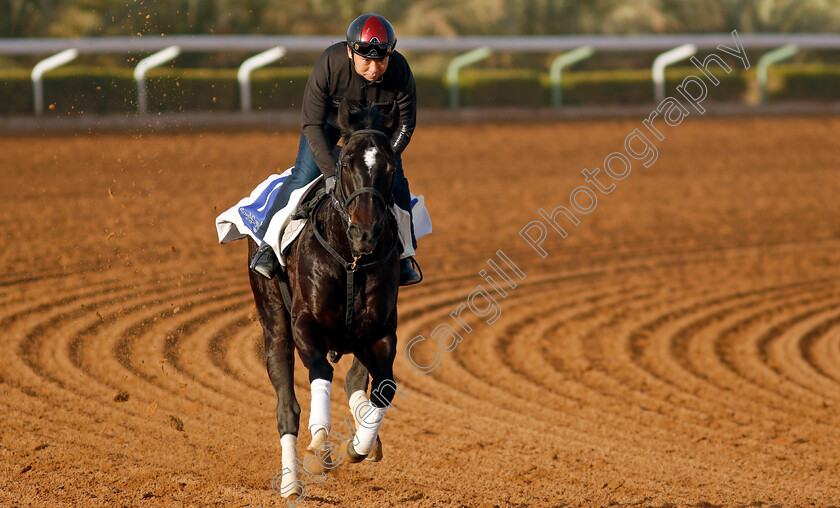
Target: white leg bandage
319, 415
368, 428
358, 406
290, 482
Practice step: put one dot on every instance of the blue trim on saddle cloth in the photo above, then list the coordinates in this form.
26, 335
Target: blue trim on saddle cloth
255, 213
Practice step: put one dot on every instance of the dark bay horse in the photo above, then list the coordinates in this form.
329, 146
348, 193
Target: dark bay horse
343, 277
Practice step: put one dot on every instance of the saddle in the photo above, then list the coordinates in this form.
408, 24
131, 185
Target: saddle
310, 201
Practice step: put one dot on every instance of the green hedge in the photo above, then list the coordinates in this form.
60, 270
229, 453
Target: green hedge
530, 88
15, 91
95, 89
71, 90
804, 82
500, 87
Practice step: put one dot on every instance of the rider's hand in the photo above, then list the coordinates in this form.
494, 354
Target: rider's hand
329, 184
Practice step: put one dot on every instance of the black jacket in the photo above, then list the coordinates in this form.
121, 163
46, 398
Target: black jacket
334, 78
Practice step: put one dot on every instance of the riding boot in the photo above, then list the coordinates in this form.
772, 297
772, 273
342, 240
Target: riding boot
265, 262
409, 276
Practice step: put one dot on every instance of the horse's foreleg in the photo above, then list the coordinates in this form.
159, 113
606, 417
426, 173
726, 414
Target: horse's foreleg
379, 361
319, 414
356, 381
355, 386
314, 356
280, 363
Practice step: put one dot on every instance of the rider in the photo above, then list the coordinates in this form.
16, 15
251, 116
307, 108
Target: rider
367, 71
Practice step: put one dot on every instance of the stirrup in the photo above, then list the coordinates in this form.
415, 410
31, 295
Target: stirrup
265, 262
418, 272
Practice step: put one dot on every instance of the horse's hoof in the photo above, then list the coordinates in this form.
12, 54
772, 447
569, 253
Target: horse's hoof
376, 454
319, 437
287, 483
352, 455
292, 493
322, 457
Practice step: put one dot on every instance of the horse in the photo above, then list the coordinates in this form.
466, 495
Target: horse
341, 288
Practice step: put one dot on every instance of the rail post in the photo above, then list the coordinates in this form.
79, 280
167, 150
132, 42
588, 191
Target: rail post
459, 62
664, 60
48, 64
556, 71
248, 66
768, 59
144, 65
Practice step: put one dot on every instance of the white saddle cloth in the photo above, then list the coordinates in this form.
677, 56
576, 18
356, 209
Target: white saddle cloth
246, 217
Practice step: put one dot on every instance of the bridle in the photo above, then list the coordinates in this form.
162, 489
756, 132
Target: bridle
341, 203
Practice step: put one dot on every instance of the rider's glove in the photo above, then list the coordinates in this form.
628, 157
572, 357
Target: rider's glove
329, 184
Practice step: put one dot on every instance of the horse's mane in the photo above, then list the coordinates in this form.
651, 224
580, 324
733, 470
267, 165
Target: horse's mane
368, 118
352, 119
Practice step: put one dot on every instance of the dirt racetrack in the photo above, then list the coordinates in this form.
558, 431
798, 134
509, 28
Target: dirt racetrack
680, 348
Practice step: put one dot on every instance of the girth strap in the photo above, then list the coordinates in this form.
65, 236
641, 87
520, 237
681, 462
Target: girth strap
283, 280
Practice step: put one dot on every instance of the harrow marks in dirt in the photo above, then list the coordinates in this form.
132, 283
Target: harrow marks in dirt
681, 346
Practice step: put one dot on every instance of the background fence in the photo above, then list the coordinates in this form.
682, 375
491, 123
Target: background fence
49, 87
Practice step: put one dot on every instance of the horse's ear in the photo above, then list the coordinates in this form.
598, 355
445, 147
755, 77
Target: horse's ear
344, 116
393, 118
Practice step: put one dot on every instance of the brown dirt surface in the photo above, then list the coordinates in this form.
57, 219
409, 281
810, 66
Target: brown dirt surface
680, 348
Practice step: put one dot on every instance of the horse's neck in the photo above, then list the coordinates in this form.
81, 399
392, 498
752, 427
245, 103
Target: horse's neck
332, 227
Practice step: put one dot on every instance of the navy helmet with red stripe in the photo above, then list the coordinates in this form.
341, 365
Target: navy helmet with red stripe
371, 36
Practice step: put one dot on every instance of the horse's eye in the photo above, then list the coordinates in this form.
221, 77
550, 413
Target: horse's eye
344, 164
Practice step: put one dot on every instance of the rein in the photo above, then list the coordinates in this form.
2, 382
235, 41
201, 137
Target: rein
350, 267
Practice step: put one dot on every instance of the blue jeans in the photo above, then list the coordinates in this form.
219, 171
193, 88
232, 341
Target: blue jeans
306, 170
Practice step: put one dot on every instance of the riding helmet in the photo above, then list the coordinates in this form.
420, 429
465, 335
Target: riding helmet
371, 36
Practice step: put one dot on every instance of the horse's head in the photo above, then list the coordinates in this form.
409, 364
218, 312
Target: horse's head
365, 173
